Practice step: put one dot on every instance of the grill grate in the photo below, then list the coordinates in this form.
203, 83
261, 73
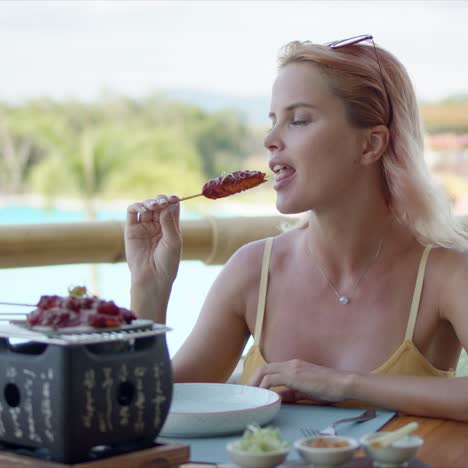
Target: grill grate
11, 330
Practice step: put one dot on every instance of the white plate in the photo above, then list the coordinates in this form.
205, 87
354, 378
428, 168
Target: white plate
208, 409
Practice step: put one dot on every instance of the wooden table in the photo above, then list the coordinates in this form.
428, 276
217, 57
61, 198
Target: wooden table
160, 456
445, 442
445, 446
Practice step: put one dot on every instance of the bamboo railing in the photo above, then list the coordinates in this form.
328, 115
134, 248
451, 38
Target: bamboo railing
211, 240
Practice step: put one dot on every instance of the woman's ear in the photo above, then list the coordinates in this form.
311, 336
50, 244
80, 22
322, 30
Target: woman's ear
375, 143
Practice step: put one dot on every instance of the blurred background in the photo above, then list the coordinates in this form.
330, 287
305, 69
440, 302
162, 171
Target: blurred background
107, 102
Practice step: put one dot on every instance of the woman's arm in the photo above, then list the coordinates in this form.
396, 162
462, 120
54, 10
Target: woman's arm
153, 246
422, 396
214, 347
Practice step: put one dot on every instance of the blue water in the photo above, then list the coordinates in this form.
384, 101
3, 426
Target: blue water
28, 284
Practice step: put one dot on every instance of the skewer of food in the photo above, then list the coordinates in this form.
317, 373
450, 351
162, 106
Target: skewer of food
78, 309
230, 184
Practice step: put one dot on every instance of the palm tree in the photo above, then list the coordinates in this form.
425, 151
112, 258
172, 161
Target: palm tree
16, 151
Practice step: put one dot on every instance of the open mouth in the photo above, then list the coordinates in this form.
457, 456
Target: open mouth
282, 173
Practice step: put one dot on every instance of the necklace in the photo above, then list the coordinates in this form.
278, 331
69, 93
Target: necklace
342, 299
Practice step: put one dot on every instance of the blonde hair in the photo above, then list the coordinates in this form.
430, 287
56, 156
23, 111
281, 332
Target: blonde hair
356, 77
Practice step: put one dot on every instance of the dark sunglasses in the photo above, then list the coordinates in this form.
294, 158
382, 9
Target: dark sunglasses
356, 40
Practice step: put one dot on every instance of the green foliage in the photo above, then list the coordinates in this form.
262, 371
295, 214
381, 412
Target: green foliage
161, 161
120, 147
221, 140
49, 179
146, 179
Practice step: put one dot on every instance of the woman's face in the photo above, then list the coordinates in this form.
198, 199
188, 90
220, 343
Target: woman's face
314, 151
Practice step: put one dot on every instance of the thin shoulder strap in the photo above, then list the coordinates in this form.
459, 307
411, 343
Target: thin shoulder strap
417, 294
262, 291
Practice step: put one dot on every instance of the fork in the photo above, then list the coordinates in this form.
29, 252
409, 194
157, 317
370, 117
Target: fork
331, 429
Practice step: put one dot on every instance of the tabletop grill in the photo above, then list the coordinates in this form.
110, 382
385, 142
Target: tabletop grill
72, 397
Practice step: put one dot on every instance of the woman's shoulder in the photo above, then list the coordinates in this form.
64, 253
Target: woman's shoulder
448, 273
446, 265
250, 255
445, 260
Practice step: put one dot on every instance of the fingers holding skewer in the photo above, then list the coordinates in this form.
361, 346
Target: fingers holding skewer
149, 210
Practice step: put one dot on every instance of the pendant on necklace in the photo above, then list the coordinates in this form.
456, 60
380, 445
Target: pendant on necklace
343, 300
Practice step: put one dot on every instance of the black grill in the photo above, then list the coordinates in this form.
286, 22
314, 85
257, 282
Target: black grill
68, 397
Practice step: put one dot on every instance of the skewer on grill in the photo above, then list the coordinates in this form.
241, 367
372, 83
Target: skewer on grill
18, 304
7, 316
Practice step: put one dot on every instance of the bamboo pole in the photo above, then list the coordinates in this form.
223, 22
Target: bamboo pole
211, 240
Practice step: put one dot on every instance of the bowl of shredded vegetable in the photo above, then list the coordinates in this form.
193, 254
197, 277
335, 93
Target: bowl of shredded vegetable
259, 448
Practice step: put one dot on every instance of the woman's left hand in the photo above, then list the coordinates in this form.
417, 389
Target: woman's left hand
305, 381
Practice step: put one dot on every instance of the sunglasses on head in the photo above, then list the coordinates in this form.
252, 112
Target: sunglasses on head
356, 40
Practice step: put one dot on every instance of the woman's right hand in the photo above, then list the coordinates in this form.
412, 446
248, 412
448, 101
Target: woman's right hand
153, 242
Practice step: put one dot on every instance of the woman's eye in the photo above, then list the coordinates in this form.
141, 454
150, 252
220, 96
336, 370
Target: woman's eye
298, 123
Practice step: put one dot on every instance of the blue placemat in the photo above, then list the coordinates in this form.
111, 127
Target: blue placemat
290, 420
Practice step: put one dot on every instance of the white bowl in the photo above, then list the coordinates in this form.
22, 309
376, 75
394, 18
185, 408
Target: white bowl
256, 460
209, 409
325, 457
395, 455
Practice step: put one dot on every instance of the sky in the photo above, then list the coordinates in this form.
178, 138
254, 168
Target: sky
80, 48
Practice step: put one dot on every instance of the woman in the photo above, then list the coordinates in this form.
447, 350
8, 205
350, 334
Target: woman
354, 304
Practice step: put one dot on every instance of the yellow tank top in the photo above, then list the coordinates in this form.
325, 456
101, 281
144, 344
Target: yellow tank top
406, 360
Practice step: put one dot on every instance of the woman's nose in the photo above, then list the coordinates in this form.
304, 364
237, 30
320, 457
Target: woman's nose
272, 141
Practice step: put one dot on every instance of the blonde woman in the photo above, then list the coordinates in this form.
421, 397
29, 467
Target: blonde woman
365, 301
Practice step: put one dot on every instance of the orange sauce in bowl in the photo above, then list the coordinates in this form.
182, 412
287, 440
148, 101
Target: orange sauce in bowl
324, 442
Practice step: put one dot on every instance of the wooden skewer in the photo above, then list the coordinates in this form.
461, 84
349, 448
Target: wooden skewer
191, 196
18, 304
